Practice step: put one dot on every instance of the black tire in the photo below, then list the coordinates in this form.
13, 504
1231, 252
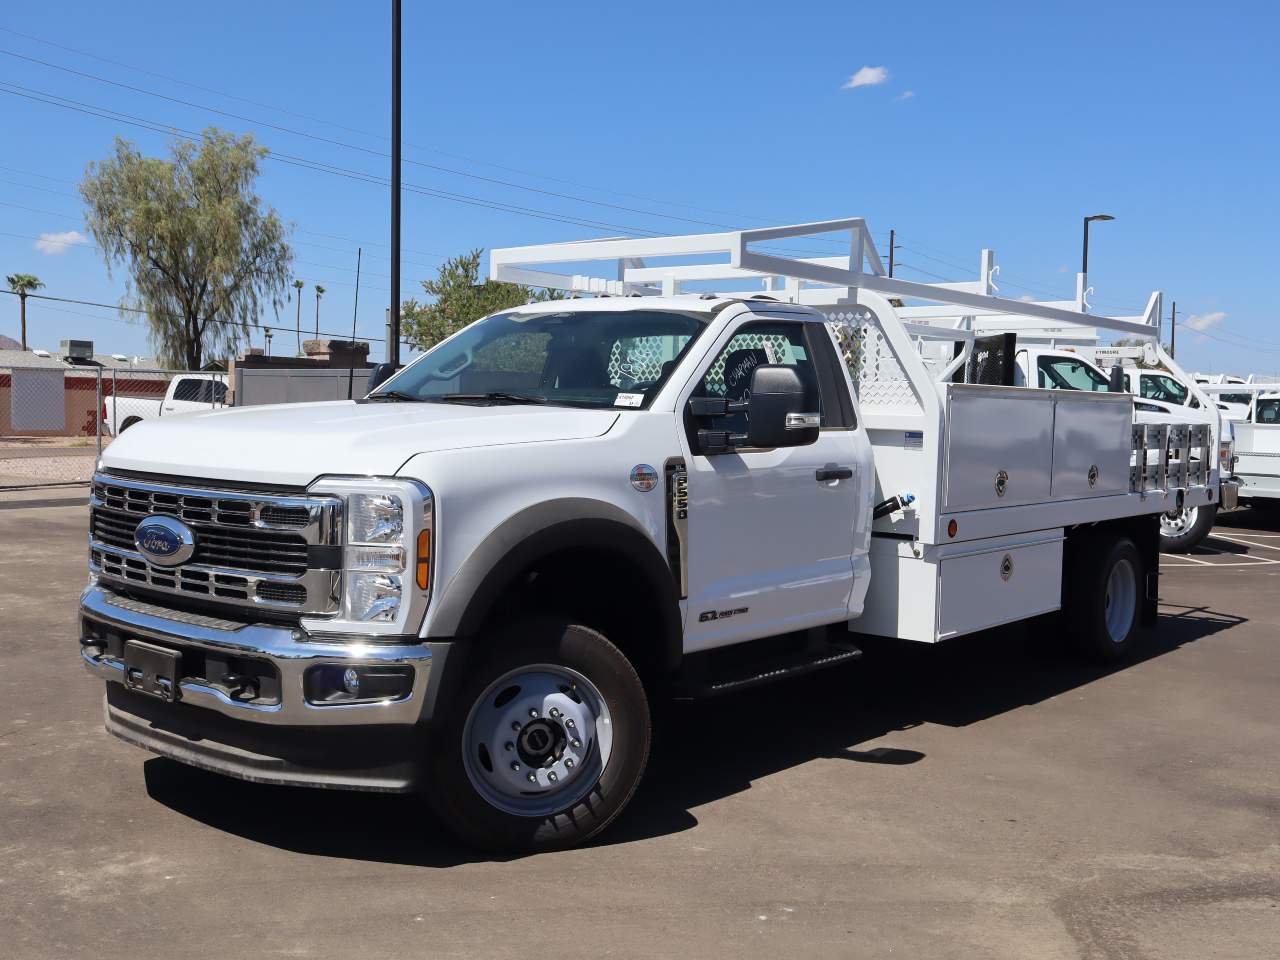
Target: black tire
1092, 631
535, 640
1192, 535
129, 423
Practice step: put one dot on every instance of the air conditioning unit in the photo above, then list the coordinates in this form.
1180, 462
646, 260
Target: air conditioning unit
76, 350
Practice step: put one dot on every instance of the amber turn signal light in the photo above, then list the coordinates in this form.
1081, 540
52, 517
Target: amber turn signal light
423, 565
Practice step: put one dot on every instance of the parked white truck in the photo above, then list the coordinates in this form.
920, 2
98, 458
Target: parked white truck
1160, 396
480, 580
1257, 453
186, 393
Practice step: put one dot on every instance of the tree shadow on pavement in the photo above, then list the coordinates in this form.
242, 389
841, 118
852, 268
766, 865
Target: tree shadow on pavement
704, 750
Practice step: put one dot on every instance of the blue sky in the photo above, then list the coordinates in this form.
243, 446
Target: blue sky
990, 124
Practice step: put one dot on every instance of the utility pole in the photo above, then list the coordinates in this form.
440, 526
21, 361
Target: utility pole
891, 245
1173, 330
393, 339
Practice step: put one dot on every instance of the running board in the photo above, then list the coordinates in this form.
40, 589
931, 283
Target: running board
753, 673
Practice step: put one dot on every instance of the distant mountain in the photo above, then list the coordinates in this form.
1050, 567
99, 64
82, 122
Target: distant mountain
8, 343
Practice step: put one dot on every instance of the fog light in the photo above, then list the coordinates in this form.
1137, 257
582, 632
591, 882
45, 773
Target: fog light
335, 683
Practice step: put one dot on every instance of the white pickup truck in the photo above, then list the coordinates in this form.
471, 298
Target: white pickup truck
1257, 451
186, 393
1159, 397
480, 580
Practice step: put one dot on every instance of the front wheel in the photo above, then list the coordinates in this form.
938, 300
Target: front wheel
1181, 531
547, 743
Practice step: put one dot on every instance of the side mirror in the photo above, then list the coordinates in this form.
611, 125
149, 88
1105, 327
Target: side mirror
1117, 379
380, 375
782, 410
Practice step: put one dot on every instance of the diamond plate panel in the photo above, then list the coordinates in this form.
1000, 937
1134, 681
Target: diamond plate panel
882, 384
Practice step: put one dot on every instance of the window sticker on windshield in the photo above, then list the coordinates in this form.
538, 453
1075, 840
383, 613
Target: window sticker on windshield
628, 400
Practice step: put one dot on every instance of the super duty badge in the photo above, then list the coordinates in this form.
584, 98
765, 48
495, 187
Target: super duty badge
720, 614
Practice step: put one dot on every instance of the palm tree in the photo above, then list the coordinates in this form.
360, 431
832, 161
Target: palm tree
22, 284
319, 294
298, 285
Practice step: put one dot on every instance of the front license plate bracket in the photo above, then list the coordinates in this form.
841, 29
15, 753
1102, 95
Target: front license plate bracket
152, 670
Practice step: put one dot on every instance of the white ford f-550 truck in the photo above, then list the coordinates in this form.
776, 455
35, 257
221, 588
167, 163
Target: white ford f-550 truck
481, 579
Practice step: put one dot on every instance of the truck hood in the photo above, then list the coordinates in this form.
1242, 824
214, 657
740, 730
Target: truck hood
293, 444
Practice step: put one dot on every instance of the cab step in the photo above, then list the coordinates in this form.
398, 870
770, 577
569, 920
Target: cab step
746, 671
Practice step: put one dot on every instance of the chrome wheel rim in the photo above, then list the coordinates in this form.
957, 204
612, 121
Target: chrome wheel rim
537, 740
1177, 522
1121, 601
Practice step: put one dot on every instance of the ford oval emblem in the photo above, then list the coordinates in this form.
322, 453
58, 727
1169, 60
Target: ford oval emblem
165, 541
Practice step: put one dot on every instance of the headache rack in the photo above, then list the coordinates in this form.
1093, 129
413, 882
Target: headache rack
920, 355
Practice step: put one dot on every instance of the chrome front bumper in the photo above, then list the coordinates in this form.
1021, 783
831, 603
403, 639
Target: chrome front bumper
289, 650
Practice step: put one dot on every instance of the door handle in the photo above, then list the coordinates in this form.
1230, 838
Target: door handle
823, 474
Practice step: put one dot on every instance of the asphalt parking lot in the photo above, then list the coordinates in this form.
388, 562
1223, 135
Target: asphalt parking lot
986, 799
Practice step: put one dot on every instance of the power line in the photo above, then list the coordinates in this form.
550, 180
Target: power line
106, 113
312, 233
377, 136
167, 316
351, 146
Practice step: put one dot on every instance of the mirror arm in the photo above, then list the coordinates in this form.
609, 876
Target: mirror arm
714, 441
715, 407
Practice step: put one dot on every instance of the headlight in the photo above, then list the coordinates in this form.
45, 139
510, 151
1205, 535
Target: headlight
386, 569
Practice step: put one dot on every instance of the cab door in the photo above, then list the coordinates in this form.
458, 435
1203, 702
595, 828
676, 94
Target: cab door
771, 532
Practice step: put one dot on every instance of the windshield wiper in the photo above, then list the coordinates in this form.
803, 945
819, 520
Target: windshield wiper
495, 396
395, 395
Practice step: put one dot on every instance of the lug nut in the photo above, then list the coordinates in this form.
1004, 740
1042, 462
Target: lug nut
515, 766
577, 743
555, 713
569, 723
533, 778
568, 762
533, 714
509, 746
515, 725
552, 776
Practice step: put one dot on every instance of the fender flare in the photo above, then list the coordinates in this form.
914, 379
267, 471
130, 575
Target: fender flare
539, 531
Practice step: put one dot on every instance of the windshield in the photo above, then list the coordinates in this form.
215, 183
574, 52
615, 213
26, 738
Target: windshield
1242, 398
1063, 373
1157, 386
575, 358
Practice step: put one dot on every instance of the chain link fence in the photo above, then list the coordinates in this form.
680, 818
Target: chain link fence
56, 418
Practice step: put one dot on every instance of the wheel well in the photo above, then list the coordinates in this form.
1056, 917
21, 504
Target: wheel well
601, 588
1145, 533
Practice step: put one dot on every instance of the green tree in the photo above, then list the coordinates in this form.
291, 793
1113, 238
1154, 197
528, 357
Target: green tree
22, 284
319, 294
460, 299
297, 320
203, 253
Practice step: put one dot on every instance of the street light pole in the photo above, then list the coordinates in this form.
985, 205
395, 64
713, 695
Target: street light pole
1084, 257
393, 341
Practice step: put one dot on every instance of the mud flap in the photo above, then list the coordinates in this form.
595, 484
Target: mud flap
1147, 535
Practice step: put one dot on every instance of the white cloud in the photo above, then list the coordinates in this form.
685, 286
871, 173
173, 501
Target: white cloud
56, 243
905, 95
1203, 321
867, 77
1027, 298
1064, 269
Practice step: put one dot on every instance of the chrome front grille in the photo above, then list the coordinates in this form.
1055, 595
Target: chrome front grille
260, 550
